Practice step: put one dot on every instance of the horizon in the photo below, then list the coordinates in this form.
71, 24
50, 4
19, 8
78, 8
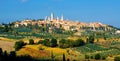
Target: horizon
106, 12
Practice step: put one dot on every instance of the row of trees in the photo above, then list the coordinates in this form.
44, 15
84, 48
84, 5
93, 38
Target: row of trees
63, 43
19, 44
96, 56
100, 57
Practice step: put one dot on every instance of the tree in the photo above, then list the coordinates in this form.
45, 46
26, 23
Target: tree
19, 45
90, 39
52, 55
46, 42
12, 56
40, 42
63, 43
31, 41
53, 42
64, 57
87, 57
117, 58
5, 56
1, 52
97, 56
79, 42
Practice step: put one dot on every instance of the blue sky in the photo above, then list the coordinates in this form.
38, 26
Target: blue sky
105, 11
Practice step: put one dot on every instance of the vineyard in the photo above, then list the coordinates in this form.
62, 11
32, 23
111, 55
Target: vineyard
90, 48
93, 49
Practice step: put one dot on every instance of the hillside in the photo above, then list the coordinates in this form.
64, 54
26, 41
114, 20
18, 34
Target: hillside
52, 40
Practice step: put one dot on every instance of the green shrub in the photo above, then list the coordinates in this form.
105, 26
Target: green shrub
117, 58
87, 57
97, 56
46, 42
79, 42
31, 41
40, 42
53, 42
19, 45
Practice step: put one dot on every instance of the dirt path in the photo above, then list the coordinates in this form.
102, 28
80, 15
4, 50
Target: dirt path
7, 45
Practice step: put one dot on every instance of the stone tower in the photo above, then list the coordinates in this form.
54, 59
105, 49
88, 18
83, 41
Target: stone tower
52, 17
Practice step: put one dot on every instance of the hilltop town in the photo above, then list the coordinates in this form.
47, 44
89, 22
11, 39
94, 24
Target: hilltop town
57, 39
60, 23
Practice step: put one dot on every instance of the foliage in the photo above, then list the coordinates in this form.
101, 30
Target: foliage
97, 56
90, 48
63, 43
79, 42
52, 55
40, 42
19, 45
46, 42
53, 42
87, 57
90, 39
31, 41
1, 51
64, 57
117, 58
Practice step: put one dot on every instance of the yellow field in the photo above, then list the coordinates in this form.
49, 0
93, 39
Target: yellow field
6, 39
57, 51
33, 53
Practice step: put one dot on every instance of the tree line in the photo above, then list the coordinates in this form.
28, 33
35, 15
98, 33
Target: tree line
53, 42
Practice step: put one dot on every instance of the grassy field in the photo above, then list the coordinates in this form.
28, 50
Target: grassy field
7, 45
40, 51
36, 52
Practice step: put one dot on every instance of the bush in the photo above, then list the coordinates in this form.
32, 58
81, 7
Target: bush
19, 45
103, 57
117, 58
53, 42
97, 56
90, 39
87, 57
65, 43
41, 48
40, 42
79, 42
46, 42
31, 41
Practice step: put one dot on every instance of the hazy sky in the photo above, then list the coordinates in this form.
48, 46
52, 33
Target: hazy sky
105, 11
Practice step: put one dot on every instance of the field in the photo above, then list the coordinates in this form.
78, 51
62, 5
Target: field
7, 45
40, 51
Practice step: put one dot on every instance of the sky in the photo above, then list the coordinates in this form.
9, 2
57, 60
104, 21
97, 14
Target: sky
104, 11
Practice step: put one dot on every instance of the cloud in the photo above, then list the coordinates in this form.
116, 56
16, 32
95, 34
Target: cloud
24, 1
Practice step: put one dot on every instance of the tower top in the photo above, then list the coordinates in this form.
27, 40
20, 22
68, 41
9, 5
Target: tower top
52, 16
62, 18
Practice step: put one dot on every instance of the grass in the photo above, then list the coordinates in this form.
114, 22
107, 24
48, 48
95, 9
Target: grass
56, 50
7, 45
7, 39
34, 51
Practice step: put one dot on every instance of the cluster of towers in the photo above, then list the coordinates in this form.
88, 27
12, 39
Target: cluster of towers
51, 18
